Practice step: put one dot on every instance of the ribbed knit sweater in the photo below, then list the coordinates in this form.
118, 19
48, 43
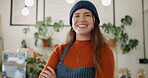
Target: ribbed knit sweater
83, 51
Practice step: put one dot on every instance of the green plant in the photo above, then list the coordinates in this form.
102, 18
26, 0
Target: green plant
35, 65
42, 29
23, 42
120, 35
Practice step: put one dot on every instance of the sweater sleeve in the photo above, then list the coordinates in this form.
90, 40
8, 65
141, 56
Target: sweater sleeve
107, 63
54, 58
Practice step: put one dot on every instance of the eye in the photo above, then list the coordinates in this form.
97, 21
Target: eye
76, 15
88, 15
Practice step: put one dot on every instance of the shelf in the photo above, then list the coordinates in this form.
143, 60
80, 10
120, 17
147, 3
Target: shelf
15, 64
113, 48
49, 47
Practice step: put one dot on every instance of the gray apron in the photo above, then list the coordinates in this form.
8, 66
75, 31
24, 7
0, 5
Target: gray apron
64, 71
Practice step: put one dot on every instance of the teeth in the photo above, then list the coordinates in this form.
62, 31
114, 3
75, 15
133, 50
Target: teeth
82, 25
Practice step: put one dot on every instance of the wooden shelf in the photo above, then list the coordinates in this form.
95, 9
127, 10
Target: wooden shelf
49, 47
15, 64
113, 48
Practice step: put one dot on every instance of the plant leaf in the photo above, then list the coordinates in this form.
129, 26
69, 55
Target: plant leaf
107, 27
26, 30
36, 35
35, 43
124, 37
48, 21
24, 44
133, 43
128, 19
126, 49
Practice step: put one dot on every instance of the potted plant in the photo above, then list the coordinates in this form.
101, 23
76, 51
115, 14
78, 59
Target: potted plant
120, 35
35, 64
34, 67
43, 32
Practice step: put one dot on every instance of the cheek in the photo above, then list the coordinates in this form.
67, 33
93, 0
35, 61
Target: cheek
91, 22
74, 21
73, 24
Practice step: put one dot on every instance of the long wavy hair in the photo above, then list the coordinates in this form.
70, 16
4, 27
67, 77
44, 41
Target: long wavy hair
97, 40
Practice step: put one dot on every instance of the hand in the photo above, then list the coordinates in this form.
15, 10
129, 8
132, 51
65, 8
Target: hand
50, 73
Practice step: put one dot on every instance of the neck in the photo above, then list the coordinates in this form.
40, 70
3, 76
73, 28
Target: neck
83, 37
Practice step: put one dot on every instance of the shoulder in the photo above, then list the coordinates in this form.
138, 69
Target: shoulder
106, 63
106, 57
106, 51
59, 49
61, 46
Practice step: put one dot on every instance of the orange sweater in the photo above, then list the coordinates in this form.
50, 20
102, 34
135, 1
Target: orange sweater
85, 58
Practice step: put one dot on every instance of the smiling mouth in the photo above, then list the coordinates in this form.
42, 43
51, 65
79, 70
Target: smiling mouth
82, 25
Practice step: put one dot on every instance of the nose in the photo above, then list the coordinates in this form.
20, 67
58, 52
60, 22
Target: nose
82, 19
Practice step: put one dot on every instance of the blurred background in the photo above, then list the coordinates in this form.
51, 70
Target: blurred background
21, 20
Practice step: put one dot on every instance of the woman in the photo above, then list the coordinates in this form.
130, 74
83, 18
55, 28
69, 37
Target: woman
86, 54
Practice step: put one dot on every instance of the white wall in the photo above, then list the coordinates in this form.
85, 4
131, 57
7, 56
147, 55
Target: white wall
146, 25
134, 9
13, 35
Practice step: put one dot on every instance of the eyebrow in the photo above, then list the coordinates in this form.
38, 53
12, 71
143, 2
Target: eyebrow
84, 13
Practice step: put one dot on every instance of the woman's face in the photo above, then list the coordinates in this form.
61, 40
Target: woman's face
82, 21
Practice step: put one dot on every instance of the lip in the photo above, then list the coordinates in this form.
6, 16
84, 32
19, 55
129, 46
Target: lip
82, 25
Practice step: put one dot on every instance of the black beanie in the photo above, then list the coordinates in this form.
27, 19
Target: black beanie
86, 5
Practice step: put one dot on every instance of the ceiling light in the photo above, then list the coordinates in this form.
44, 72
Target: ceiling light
70, 1
29, 2
25, 11
106, 2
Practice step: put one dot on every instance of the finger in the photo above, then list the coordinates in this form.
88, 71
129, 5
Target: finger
42, 77
45, 76
47, 72
52, 70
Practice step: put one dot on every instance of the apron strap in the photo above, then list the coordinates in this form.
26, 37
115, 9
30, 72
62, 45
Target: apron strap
65, 52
